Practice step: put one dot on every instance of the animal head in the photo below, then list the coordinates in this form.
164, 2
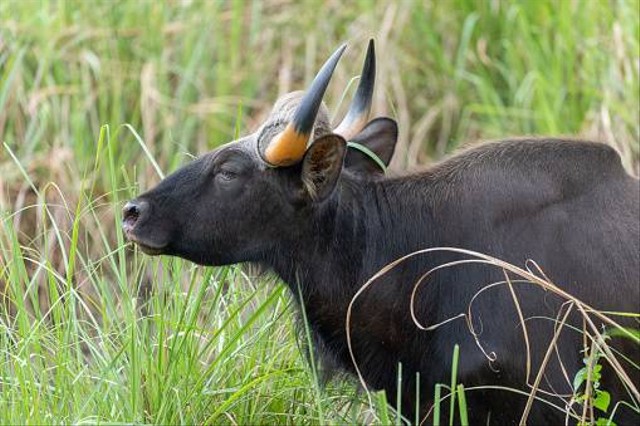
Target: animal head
232, 203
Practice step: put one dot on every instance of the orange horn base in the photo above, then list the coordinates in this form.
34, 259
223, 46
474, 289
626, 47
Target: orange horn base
287, 148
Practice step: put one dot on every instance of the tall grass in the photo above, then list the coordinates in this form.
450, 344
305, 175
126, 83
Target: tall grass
92, 330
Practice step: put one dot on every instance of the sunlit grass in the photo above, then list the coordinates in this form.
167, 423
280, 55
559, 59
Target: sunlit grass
120, 337
92, 330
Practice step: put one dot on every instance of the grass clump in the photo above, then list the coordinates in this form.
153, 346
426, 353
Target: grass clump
92, 331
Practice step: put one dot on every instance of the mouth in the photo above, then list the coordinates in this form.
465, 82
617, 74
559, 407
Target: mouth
146, 247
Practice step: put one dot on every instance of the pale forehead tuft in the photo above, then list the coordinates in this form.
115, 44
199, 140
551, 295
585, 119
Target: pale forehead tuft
282, 113
285, 107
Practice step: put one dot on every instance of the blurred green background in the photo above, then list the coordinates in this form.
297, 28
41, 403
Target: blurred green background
187, 76
181, 71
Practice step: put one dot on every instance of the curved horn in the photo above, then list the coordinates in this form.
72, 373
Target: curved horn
289, 146
358, 113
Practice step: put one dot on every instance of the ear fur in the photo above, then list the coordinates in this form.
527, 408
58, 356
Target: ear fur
322, 164
380, 135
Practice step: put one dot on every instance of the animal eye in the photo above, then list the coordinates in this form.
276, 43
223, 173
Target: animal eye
226, 175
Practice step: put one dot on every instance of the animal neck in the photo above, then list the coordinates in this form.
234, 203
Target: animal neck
325, 259
349, 238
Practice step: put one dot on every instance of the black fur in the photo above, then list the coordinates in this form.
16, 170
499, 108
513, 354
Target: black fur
567, 205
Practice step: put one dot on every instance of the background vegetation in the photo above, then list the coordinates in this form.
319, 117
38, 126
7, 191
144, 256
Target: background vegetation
93, 331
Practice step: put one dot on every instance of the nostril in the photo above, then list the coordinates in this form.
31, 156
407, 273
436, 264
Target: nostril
130, 214
131, 209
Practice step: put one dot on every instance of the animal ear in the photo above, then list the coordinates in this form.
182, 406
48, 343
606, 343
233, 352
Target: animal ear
379, 136
322, 164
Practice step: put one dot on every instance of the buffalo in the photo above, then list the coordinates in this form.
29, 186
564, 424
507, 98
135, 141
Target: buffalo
312, 203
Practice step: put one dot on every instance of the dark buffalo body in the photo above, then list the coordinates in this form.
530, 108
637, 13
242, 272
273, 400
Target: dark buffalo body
328, 222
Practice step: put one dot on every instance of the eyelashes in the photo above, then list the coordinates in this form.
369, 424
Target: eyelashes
226, 175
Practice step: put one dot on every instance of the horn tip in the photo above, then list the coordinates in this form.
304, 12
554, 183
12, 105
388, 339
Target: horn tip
371, 50
340, 50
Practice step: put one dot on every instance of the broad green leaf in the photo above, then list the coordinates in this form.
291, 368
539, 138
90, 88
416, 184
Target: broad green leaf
605, 422
579, 378
602, 400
